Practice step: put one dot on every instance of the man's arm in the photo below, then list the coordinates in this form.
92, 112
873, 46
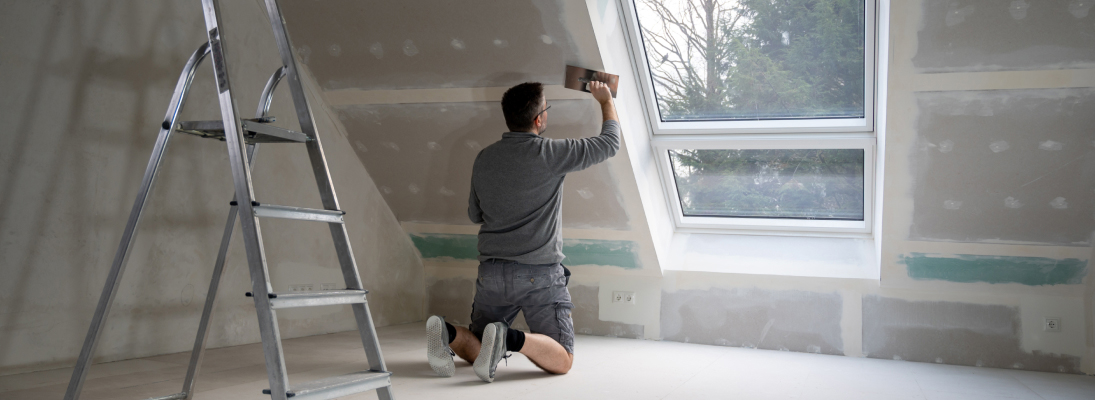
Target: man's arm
571, 155
474, 212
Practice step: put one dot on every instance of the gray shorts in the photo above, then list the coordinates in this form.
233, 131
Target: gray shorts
540, 291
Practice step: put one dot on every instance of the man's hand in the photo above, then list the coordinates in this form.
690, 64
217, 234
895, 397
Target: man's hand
600, 92
604, 96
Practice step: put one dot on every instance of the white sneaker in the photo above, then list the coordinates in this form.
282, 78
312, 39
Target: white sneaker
437, 347
492, 351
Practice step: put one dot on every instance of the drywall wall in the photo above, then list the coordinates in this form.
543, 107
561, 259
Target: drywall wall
993, 35
935, 270
1005, 166
989, 179
419, 100
85, 87
932, 285
437, 44
953, 333
424, 153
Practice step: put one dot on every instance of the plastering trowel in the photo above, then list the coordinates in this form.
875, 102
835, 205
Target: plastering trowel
578, 78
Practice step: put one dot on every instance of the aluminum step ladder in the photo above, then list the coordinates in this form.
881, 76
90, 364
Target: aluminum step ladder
243, 137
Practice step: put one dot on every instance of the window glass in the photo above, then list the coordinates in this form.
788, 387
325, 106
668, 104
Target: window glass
771, 183
755, 59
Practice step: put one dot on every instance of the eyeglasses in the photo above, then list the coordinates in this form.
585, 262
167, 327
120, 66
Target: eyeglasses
541, 112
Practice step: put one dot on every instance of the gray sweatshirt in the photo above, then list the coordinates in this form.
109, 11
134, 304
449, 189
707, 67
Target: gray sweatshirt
517, 191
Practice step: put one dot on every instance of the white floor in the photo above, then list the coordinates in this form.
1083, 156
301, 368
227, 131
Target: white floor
604, 368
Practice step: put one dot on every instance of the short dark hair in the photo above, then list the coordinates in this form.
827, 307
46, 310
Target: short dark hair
521, 105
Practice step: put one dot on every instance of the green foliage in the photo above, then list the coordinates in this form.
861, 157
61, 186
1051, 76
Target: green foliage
756, 59
813, 184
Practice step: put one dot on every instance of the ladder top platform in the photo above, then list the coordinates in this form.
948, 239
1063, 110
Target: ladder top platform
254, 131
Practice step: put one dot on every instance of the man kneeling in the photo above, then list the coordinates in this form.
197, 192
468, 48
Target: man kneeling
517, 195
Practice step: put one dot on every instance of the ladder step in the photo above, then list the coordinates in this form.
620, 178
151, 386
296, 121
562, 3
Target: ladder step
255, 131
338, 386
304, 214
318, 298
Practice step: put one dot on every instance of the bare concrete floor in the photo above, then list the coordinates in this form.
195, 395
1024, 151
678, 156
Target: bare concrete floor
605, 368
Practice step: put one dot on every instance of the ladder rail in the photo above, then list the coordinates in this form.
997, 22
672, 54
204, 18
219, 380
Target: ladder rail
121, 257
268, 93
339, 235
198, 353
245, 195
200, 341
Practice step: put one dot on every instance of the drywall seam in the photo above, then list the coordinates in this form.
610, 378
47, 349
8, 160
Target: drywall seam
345, 97
1015, 250
619, 253
1057, 79
964, 268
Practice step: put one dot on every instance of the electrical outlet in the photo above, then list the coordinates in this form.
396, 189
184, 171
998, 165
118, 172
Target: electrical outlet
1053, 324
302, 287
623, 297
327, 286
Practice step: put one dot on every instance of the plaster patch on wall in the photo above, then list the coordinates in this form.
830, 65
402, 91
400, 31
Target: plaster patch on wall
1080, 8
409, 48
999, 146
1031, 271
1018, 150
755, 318
992, 35
952, 333
444, 246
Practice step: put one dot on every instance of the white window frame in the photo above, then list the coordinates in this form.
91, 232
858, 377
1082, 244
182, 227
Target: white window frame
834, 133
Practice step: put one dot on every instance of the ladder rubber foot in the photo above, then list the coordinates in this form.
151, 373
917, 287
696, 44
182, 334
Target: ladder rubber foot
176, 396
338, 386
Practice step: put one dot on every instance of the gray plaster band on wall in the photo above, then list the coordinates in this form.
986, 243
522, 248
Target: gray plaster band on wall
586, 316
952, 333
755, 318
1005, 166
376, 45
421, 155
995, 35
